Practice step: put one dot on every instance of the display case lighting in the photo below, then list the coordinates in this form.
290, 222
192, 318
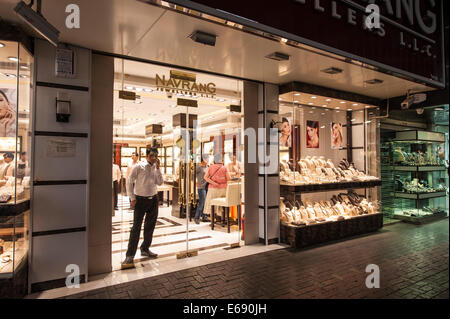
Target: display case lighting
148, 90
138, 89
13, 58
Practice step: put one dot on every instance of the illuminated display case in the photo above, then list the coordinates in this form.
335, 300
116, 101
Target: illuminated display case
329, 177
418, 166
16, 71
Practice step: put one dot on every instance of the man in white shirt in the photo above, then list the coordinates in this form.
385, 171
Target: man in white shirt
131, 164
145, 176
116, 179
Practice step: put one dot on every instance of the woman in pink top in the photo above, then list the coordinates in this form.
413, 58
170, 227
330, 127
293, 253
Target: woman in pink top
217, 176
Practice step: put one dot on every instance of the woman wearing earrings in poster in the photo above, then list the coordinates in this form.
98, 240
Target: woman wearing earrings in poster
7, 116
285, 135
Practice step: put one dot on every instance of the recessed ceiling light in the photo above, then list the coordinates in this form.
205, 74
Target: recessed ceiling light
355, 104
353, 120
148, 90
221, 100
328, 100
337, 111
337, 107
24, 67
233, 101
310, 103
322, 126
13, 58
374, 81
284, 40
314, 97
367, 106
281, 99
139, 89
297, 94
295, 101
342, 102
332, 70
350, 110
1, 45
324, 105
129, 87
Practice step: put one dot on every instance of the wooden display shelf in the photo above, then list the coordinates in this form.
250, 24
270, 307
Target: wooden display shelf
327, 186
303, 236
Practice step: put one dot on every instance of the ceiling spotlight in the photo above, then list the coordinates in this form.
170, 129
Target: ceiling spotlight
337, 107
355, 104
284, 40
342, 102
139, 89
13, 58
322, 126
24, 67
203, 38
367, 106
314, 97
332, 70
148, 90
324, 105
328, 100
295, 101
374, 81
37, 21
221, 100
1, 45
350, 110
129, 87
278, 56
297, 94
310, 103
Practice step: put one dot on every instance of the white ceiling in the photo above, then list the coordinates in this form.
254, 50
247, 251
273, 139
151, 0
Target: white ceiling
132, 28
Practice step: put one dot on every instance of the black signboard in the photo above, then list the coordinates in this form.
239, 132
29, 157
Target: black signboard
409, 41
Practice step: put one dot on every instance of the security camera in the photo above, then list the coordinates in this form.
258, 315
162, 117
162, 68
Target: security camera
413, 99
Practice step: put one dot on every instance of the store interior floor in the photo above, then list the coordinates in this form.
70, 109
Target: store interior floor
169, 237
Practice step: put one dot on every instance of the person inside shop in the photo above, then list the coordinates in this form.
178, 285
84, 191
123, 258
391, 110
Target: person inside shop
336, 135
200, 172
217, 177
7, 117
131, 164
234, 168
116, 180
146, 177
22, 166
312, 134
285, 137
7, 168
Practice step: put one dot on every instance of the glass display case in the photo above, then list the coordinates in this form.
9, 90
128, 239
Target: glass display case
16, 71
328, 168
125, 155
419, 169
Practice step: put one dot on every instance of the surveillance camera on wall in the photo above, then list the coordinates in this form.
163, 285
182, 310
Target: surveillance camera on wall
413, 99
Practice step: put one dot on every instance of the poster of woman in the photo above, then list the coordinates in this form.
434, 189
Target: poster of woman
285, 135
312, 134
7, 113
336, 136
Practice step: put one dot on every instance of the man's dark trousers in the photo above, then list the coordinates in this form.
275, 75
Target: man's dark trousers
148, 208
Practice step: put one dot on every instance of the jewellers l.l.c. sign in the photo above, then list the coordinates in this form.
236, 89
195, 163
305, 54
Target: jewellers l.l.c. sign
409, 41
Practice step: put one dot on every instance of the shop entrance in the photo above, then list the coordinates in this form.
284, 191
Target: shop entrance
194, 122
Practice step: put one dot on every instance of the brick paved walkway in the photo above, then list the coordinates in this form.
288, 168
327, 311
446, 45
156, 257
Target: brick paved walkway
413, 262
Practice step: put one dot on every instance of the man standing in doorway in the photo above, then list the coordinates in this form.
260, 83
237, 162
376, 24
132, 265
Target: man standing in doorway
145, 176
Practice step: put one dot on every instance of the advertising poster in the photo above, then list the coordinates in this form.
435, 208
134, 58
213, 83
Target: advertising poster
337, 139
8, 107
312, 134
285, 134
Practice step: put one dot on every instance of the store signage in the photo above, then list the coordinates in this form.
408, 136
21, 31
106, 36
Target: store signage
179, 83
127, 95
186, 102
409, 41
